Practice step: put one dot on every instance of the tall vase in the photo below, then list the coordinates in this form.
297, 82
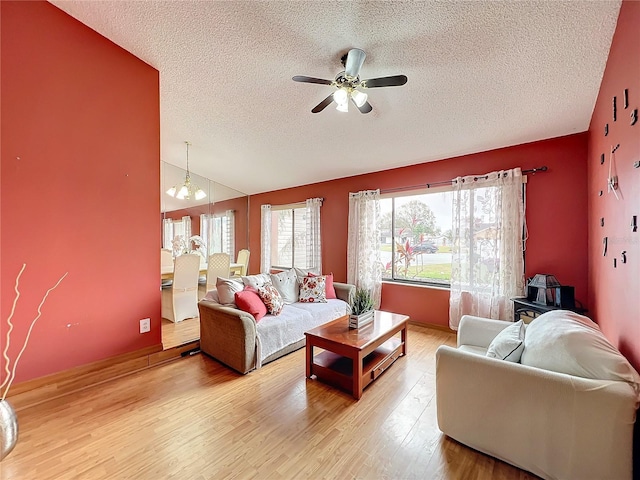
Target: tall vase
8, 428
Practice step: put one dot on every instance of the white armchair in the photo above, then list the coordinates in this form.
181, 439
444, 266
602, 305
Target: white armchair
555, 425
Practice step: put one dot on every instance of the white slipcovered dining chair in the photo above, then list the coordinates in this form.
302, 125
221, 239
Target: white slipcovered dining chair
181, 300
166, 260
217, 266
243, 259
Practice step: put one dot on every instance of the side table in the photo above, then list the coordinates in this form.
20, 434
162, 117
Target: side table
525, 309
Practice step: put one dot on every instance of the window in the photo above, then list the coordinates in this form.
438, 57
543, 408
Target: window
218, 232
415, 230
288, 237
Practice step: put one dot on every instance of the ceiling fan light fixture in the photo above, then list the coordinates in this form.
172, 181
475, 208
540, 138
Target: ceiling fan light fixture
343, 107
341, 96
359, 98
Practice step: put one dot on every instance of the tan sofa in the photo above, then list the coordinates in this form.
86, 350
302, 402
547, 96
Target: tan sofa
232, 336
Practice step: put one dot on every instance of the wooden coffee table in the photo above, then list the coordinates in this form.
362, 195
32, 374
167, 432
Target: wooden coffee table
353, 358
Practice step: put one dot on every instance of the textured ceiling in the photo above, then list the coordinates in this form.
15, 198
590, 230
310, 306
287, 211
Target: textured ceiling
482, 75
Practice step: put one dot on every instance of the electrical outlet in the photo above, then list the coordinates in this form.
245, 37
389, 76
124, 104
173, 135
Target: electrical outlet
145, 325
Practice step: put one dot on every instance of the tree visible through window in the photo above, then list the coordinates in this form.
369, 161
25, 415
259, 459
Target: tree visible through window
416, 237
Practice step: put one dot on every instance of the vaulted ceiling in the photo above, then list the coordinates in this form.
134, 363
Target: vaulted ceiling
482, 75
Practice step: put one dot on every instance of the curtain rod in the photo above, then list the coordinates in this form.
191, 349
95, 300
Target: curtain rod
448, 182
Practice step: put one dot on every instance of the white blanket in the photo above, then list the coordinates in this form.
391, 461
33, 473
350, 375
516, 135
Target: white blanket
277, 332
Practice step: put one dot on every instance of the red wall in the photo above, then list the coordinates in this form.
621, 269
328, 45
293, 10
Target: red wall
80, 172
614, 293
556, 216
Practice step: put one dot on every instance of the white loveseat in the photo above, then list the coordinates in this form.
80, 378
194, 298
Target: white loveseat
555, 425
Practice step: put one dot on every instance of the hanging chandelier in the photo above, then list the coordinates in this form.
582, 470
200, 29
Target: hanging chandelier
188, 190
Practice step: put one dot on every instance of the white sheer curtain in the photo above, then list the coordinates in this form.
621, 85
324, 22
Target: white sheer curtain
186, 228
487, 261
229, 233
167, 233
218, 233
265, 239
364, 266
314, 243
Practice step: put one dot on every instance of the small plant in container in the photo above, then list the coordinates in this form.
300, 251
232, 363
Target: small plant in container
361, 309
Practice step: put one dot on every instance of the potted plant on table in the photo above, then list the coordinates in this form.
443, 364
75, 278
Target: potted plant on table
361, 309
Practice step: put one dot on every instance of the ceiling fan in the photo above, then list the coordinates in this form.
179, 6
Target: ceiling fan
349, 85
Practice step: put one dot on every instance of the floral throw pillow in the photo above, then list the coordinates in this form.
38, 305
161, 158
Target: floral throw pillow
313, 290
271, 298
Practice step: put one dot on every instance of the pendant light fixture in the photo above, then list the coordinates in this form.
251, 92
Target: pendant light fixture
188, 190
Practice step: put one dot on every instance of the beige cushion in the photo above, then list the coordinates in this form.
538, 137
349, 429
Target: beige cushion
256, 281
227, 289
567, 342
303, 272
287, 285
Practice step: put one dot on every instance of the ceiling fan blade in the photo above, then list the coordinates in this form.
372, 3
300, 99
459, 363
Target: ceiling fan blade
355, 59
365, 108
302, 78
393, 81
323, 104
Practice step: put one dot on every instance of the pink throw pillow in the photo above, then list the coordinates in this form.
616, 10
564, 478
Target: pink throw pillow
330, 291
249, 301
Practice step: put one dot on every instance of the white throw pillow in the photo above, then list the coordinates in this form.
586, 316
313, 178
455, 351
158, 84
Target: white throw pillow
508, 344
227, 290
256, 281
287, 285
567, 342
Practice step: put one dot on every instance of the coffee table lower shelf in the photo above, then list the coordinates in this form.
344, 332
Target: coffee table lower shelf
338, 370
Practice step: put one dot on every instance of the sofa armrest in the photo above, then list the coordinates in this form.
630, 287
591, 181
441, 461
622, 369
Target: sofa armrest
552, 424
479, 331
228, 335
345, 291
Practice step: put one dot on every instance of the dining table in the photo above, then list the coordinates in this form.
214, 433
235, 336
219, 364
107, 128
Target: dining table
166, 271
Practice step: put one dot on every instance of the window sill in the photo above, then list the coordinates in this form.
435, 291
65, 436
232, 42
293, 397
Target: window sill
418, 285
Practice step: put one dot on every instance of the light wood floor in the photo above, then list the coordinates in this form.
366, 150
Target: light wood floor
195, 419
176, 334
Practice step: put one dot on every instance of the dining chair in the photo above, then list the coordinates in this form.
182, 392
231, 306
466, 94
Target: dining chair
243, 258
166, 260
217, 266
181, 300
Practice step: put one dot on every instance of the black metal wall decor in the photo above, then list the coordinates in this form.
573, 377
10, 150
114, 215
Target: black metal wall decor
612, 179
626, 98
